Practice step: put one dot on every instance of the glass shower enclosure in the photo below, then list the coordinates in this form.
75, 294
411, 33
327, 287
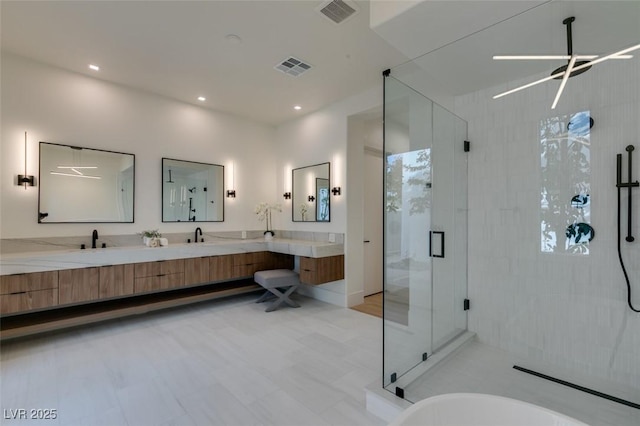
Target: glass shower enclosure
425, 231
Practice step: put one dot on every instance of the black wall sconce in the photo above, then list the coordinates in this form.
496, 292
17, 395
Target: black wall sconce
287, 195
25, 179
336, 190
311, 198
231, 193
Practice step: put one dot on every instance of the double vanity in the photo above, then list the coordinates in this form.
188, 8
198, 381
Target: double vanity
51, 290
42, 291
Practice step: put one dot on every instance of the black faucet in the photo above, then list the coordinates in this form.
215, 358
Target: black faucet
94, 238
195, 240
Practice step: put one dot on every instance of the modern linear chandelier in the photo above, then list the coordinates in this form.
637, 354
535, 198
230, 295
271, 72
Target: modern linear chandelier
576, 65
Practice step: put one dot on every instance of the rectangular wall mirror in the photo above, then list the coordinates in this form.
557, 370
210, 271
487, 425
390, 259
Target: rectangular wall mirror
192, 192
85, 185
310, 194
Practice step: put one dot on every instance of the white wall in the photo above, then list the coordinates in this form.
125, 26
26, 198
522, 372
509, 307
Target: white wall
315, 138
58, 106
569, 310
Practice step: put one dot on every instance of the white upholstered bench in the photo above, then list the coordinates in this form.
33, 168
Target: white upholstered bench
280, 283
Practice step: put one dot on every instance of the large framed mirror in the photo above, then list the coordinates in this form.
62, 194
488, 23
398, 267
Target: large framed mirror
85, 185
310, 193
192, 191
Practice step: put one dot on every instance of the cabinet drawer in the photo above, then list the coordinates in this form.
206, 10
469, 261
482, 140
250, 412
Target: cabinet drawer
171, 281
78, 285
159, 282
28, 300
244, 259
246, 264
308, 263
116, 280
196, 271
221, 267
330, 268
162, 267
308, 277
19, 283
321, 270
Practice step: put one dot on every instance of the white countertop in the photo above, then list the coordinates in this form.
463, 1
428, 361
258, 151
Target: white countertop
69, 259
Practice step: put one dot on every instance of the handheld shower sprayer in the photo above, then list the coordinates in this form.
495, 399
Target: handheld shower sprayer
629, 238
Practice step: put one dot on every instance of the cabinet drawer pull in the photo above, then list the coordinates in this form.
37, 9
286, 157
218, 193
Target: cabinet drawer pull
18, 292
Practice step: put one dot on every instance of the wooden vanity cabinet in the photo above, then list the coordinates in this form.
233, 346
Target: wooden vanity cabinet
78, 285
246, 264
243, 265
116, 280
160, 275
24, 292
221, 267
39, 290
321, 269
196, 270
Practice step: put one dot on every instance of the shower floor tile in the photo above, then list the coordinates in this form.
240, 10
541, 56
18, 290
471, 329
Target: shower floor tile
479, 368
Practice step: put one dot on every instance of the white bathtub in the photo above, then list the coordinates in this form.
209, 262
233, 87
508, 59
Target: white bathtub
475, 409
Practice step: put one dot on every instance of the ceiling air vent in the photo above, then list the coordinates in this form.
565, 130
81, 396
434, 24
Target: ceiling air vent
338, 11
293, 66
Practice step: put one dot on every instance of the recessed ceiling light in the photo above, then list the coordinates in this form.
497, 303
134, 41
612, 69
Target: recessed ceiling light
94, 67
202, 98
297, 107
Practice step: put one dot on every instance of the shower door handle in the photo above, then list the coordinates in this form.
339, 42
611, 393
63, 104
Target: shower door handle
441, 236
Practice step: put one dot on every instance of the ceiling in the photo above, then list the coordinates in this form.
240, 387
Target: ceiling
179, 49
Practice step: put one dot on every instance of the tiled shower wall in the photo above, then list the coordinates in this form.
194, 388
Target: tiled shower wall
566, 310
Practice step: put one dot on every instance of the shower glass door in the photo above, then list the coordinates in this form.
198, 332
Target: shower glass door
425, 230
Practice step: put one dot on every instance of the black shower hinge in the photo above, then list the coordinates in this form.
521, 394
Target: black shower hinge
467, 146
394, 377
386, 73
399, 392
424, 356
467, 304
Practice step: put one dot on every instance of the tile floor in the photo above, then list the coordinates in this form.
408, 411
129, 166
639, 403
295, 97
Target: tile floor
224, 362
227, 362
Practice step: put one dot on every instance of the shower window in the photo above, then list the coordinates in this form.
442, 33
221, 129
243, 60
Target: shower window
565, 191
